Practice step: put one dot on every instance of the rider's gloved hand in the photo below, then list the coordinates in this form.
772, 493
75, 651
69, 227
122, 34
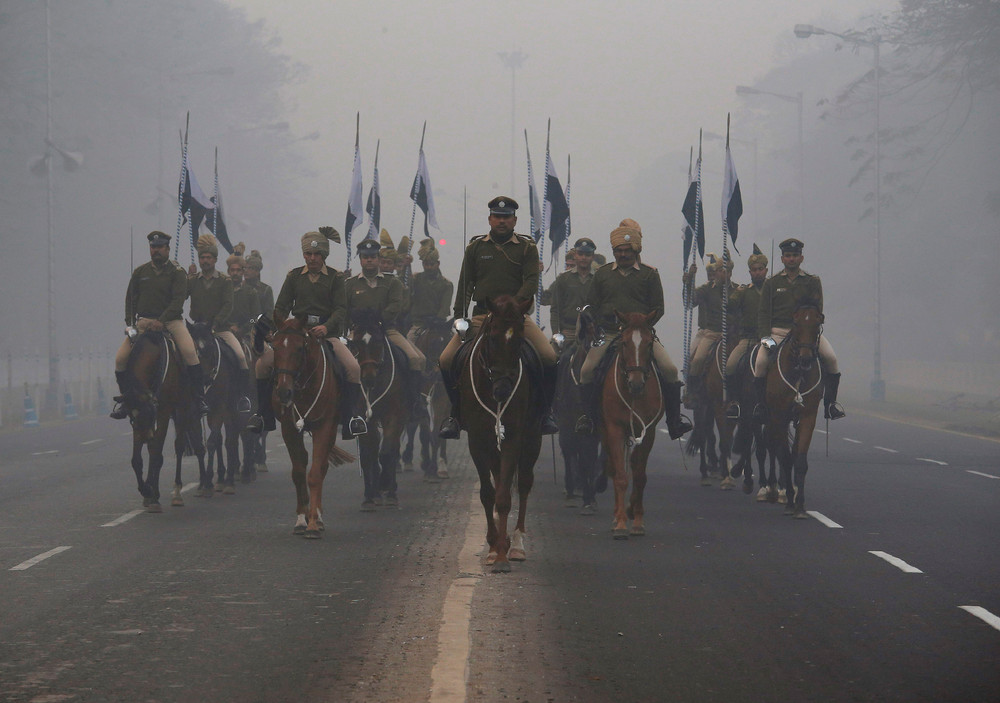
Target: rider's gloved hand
768, 342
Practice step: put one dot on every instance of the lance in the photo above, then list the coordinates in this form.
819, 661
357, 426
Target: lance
725, 281
685, 288
545, 212
465, 217
349, 225
416, 189
565, 245
183, 182
215, 198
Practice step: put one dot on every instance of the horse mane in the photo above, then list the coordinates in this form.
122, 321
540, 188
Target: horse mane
145, 339
367, 320
506, 308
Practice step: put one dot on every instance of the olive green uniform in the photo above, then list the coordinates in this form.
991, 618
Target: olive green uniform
266, 295
745, 305
212, 303
384, 294
636, 289
779, 298
708, 298
432, 296
246, 307
569, 294
157, 293
489, 270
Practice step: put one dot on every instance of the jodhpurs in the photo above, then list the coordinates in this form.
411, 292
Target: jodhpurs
532, 333
177, 329
266, 361
826, 355
665, 367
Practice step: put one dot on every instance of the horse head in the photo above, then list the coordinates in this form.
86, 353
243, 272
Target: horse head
140, 395
807, 326
502, 333
636, 348
368, 342
290, 342
205, 346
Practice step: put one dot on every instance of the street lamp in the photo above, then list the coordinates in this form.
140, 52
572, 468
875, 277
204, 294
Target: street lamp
797, 98
748, 142
874, 40
512, 60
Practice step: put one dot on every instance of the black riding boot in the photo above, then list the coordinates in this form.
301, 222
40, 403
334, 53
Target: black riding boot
677, 424
832, 409
119, 412
550, 376
197, 382
588, 398
264, 419
451, 428
246, 385
760, 393
353, 424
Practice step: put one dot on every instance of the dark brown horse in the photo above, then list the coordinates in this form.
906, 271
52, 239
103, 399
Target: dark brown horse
794, 390
504, 424
382, 370
155, 394
431, 338
305, 399
711, 413
631, 405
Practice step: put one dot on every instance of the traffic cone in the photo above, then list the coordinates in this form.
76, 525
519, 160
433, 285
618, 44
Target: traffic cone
69, 410
30, 413
102, 400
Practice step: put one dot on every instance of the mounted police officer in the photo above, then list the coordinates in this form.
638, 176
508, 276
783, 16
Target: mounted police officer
315, 292
432, 292
155, 301
629, 286
251, 277
211, 295
745, 306
708, 299
570, 289
246, 301
781, 294
499, 263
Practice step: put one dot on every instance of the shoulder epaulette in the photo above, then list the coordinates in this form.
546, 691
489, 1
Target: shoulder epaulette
647, 266
525, 238
178, 266
478, 237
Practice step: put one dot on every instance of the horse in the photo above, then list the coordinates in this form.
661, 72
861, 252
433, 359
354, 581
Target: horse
433, 334
305, 399
794, 390
223, 391
255, 444
382, 386
710, 414
504, 422
631, 407
580, 451
155, 393
749, 441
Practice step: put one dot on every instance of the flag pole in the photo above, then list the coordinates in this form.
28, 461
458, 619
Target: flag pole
541, 244
531, 186
416, 183
215, 198
465, 217
685, 287
180, 194
565, 245
725, 267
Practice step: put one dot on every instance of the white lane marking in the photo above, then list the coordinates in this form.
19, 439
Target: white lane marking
933, 461
980, 473
123, 518
825, 520
821, 431
448, 676
50, 451
983, 614
886, 449
41, 557
189, 486
90, 441
897, 562
852, 441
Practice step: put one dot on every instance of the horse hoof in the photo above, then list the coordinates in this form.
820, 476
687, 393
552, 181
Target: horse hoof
788, 511
299, 530
177, 502
800, 514
154, 507
145, 502
431, 478
219, 487
588, 509
706, 481
637, 531
501, 567
619, 533
516, 554
312, 534
727, 484
491, 558
229, 490
408, 467
368, 506
262, 468
747, 488
443, 473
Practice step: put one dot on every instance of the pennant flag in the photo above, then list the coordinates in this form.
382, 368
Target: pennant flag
533, 210
355, 211
374, 206
732, 199
694, 214
196, 203
218, 227
421, 193
556, 205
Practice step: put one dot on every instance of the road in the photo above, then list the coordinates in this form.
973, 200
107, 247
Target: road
891, 592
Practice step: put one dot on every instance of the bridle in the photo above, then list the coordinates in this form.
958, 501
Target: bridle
297, 382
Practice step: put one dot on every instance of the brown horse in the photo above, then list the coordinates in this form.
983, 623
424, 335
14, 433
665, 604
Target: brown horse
794, 390
712, 412
156, 393
503, 422
631, 407
382, 370
305, 399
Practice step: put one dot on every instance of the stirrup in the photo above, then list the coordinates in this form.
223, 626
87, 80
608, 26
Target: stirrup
119, 412
256, 423
243, 405
450, 429
584, 425
358, 425
733, 411
549, 425
681, 427
834, 411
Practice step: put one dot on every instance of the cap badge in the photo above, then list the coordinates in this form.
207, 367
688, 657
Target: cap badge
628, 237
501, 204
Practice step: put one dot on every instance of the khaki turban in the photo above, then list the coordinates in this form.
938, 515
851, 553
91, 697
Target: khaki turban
757, 258
314, 241
626, 235
427, 252
629, 222
254, 260
235, 259
207, 243
240, 249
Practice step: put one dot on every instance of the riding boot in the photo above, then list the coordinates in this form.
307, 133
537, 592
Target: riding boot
243, 402
677, 424
550, 376
588, 398
353, 424
119, 412
760, 393
197, 382
832, 409
451, 428
264, 419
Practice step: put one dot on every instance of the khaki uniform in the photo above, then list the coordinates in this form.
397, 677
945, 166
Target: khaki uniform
246, 307
569, 293
431, 299
745, 305
320, 295
265, 294
637, 289
212, 304
385, 295
779, 298
708, 298
490, 270
157, 293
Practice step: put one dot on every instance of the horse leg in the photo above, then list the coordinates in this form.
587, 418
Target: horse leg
636, 511
248, 469
232, 453
803, 438
299, 457
487, 466
389, 458
502, 481
155, 464
368, 445
614, 444
587, 452
262, 453
323, 440
137, 467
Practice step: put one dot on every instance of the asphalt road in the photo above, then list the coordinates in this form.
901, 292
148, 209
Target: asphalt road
724, 599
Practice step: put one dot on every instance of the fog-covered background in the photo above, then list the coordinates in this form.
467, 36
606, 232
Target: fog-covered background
627, 85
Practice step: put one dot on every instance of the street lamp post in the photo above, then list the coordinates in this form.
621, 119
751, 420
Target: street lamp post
797, 98
512, 60
874, 40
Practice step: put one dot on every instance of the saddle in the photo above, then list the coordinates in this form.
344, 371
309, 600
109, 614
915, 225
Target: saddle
601, 372
166, 343
338, 368
529, 358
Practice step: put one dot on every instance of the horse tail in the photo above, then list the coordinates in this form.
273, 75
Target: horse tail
697, 440
338, 456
